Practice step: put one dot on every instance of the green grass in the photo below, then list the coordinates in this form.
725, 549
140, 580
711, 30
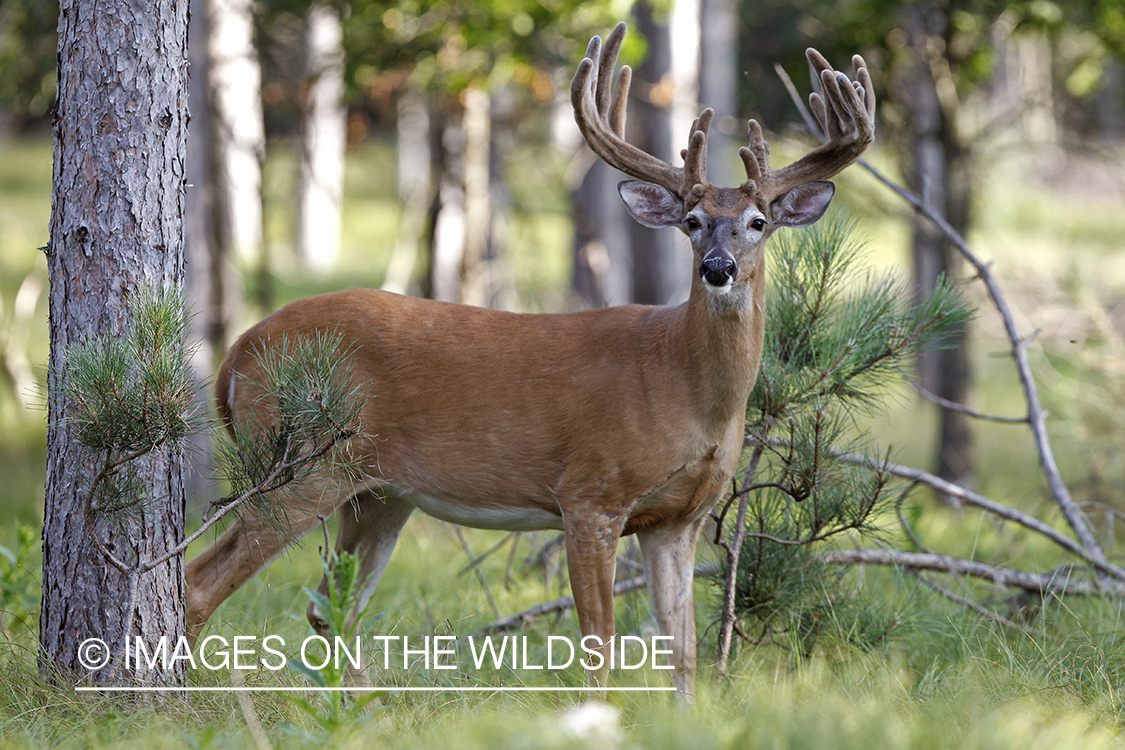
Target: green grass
943, 679
946, 681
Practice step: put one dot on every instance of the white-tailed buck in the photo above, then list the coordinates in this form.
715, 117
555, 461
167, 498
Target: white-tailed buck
625, 420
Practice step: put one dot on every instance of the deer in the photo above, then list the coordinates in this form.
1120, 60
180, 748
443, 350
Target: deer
599, 423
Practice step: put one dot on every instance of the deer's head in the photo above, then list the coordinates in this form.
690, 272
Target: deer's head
727, 226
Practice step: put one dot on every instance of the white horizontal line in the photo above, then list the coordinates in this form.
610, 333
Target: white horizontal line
473, 689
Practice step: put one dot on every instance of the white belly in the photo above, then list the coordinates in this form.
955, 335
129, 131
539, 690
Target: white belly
504, 518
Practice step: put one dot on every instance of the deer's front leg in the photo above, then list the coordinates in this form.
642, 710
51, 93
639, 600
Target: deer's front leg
669, 563
591, 557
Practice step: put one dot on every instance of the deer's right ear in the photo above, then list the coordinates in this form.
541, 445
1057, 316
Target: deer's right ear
651, 204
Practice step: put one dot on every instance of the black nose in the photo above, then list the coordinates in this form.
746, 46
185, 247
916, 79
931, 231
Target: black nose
719, 269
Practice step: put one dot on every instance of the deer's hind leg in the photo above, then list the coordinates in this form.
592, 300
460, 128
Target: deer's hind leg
369, 527
249, 544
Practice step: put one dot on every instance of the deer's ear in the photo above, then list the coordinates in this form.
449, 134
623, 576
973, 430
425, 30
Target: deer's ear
650, 204
803, 205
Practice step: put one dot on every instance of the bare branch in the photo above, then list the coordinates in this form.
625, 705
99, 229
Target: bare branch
1036, 583
473, 563
734, 550
983, 611
980, 501
954, 406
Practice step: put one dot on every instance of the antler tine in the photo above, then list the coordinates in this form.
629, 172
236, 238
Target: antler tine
605, 64
621, 102
756, 156
695, 157
846, 112
603, 126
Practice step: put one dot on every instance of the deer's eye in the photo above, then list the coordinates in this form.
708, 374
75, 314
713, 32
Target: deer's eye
758, 225
692, 223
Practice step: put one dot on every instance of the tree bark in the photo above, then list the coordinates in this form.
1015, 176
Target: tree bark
116, 227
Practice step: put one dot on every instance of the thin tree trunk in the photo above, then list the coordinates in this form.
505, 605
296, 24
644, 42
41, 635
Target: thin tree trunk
655, 280
940, 175
501, 280
414, 189
447, 237
603, 259
323, 143
718, 86
116, 227
238, 143
476, 281
201, 289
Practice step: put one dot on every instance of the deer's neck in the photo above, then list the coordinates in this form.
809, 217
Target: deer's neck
721, 344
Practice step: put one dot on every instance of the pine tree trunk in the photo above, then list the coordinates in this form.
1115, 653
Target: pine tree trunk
476, 281
116, 227
412, 125
447, 233
603, 258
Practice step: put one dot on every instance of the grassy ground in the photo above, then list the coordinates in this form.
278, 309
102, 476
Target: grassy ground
941, 679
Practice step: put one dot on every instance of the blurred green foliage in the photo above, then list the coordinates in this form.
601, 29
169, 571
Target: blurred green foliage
28, 45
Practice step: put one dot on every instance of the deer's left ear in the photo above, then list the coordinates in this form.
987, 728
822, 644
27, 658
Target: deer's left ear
803, 205
650, 204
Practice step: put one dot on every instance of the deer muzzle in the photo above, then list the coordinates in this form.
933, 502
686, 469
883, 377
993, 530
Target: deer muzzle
719, 268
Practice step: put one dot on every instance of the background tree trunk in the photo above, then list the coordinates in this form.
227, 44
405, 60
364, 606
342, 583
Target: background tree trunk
655, 280
412, 128
718, 87
476, 281
116, 227
939, 173
447, 233
323, 142
603, 258
238, 146
202, 290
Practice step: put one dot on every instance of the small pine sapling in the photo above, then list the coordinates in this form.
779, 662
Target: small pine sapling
837, 338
